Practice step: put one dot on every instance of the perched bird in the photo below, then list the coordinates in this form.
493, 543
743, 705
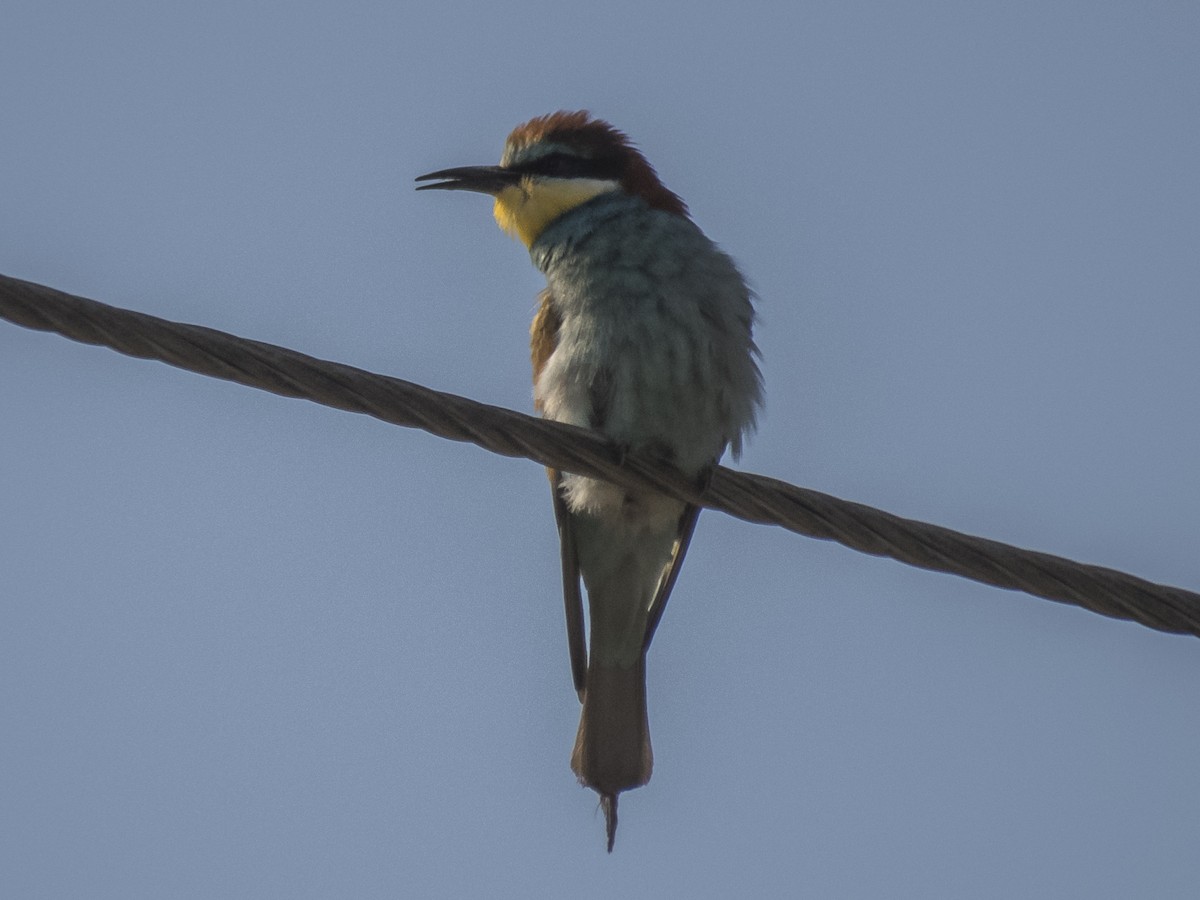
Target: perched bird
643, 333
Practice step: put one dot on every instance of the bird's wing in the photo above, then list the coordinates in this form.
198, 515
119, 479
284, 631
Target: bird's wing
572, 597
543, 337
683, 537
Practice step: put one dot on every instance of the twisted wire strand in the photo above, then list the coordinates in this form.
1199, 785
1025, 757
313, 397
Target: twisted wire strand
754, 498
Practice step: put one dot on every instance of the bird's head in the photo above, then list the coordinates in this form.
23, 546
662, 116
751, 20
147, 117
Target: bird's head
552, 164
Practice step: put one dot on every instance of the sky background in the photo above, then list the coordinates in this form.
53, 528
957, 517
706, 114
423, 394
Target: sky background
254, 647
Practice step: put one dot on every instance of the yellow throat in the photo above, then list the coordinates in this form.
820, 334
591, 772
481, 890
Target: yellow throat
525, 209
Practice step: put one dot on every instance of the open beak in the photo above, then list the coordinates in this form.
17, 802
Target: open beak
482, 179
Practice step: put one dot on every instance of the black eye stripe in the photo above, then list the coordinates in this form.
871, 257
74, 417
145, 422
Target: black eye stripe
567, 165
562, 164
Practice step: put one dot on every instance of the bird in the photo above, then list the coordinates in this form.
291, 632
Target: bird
643, 333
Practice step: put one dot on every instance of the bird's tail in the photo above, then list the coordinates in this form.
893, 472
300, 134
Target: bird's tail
623, 561
612, 749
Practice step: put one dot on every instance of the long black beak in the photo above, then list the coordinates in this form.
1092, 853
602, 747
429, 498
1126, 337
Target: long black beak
483, 179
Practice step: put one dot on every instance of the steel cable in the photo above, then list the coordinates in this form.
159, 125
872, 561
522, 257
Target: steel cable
754, 498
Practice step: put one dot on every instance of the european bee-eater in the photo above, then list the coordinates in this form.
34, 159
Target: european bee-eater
643, 333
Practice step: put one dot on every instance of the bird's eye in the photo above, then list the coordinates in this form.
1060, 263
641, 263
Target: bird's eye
560, 165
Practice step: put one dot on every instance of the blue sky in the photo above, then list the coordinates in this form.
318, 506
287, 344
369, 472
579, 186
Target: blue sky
254, 647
